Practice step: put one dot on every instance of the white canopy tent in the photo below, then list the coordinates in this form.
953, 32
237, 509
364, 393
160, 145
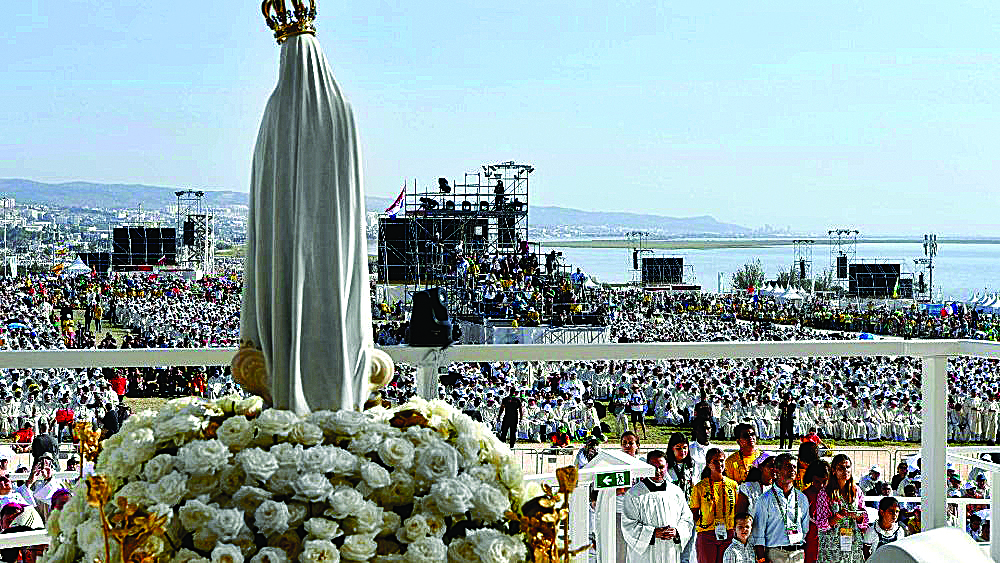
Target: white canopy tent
77, 268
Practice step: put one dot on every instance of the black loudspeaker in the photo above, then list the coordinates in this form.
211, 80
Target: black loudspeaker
635, 259
429, 324
802, 269
188, 233
842, 267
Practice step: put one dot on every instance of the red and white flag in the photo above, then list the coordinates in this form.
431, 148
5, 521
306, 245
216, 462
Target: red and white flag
397, 205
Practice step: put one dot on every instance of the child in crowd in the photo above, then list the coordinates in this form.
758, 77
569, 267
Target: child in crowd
740, 550
886, 530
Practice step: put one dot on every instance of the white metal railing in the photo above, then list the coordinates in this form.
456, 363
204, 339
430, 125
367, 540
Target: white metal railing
933, 353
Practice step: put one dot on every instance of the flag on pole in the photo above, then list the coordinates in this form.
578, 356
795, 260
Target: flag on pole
895, 290
162, 260
397, 205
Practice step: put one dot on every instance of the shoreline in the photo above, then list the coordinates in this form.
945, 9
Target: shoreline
740, 243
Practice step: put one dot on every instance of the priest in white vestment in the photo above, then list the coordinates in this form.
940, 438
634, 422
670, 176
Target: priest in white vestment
656, 520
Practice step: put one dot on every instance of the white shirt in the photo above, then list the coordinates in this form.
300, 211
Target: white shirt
697, 453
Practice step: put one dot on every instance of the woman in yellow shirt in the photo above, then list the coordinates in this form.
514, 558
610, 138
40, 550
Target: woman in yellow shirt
713, 501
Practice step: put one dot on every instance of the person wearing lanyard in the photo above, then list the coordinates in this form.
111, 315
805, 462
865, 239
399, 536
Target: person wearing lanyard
781, 517
841, 516
740, 462
713, 501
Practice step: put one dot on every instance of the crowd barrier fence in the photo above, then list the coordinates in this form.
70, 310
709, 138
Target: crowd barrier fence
934, 355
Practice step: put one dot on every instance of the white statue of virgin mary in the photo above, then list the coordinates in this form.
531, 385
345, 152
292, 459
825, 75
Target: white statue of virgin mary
306, 302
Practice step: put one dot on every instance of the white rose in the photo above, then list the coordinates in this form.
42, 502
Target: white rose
365, 520
288, 455
375, 475
437, 525
119, 462
364, 442
468, 448
306, 433
270, 555
196, 514
426, 550
435, 461
420, 436
169, 490
312, 487
276, 422
321, 528
158, 466
344, 501
396, 452
202, 484
452, 496
461, 550
249, 498
511, 474
345, 422
90, 535
137, 492
281, 483
235, 432
489, 504
203, 457
317, 459
485, 473
250, 406
413, 528
399, 492
257, 464
495, 547
319, 551
227, 523
141, 444
154, 547
297, 513
390, 523
185, 555
358, 547
271, 517
342, 462
227, 553
205, 539
177, 429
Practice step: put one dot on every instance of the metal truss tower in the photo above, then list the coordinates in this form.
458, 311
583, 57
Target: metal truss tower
195, 232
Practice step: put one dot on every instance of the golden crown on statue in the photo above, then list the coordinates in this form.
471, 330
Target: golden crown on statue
286, 23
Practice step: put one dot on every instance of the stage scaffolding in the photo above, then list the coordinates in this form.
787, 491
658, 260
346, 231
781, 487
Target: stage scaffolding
802, 260
195, 229
843, 253
485, 214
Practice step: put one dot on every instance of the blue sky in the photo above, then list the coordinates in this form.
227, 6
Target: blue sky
875, 115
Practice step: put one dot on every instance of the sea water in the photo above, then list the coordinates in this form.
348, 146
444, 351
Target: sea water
959, 269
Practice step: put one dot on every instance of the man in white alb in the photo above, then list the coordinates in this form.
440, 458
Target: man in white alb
656, 520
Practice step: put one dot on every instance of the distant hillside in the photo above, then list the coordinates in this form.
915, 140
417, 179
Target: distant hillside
542, 216
87, 194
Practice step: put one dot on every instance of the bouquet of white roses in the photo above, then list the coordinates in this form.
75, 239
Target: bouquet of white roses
232, 483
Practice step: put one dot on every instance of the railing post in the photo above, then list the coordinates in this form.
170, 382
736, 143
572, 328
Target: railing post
427, 377
607, 524
994, 534
934, 443
579, 521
